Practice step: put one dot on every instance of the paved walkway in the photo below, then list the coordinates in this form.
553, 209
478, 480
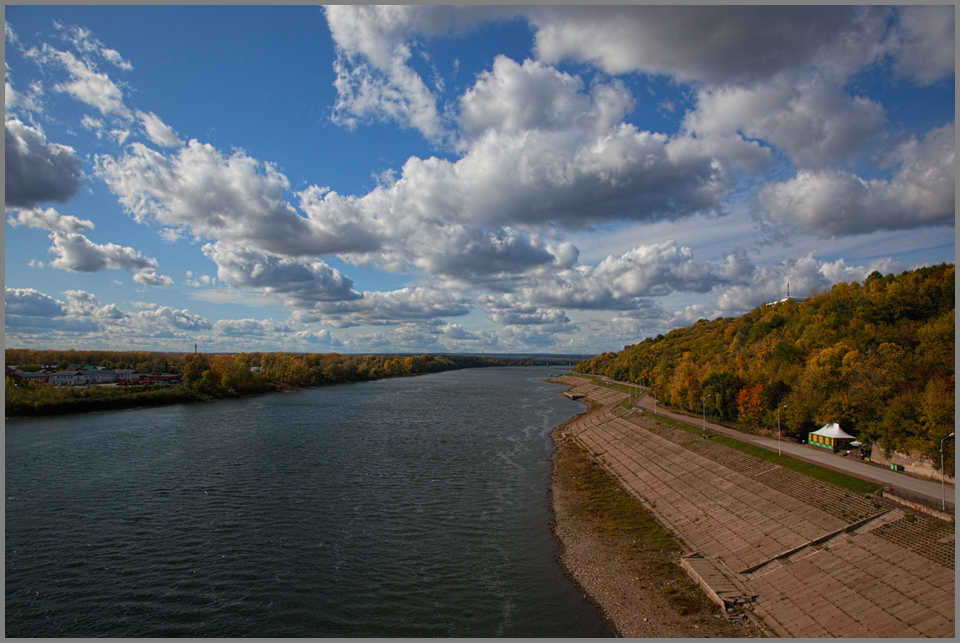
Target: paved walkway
854, 584
926, 488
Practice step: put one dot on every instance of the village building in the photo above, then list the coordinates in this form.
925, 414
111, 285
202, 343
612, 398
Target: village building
68, 378
39, 376
125, 375
831, 437
104, 376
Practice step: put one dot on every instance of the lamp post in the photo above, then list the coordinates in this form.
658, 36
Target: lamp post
704, 400
655, 389
778, 428
943, 487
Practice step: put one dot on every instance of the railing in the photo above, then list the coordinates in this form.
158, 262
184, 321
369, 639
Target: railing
918, 501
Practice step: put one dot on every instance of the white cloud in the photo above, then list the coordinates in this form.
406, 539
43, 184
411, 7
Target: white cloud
35, 263
926, 46
200, 281
234, 199
833, 204
721, 45
249, 327
75, 252
158, 131
417, 303
49, 219
86, 83
804, 276
86, 43
31, 101
322, 337
813, 122
300, 282
38, 171
95, 125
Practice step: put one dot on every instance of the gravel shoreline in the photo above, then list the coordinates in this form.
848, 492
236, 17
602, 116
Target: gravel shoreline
635, 603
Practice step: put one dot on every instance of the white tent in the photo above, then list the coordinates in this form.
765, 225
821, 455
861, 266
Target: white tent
833, 431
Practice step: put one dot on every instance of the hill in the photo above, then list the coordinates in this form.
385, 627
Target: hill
876, 357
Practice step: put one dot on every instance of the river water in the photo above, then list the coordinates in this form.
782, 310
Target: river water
403, 507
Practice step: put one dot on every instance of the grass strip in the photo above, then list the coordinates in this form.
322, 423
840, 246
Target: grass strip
616, 515
812, 470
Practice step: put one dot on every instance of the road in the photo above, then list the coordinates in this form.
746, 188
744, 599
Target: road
927, 488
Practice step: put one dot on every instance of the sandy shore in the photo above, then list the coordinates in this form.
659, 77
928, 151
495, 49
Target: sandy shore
631, 590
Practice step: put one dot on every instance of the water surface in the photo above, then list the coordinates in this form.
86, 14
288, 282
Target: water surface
403, 507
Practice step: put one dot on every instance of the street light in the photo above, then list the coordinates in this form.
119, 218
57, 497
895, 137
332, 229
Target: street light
655, 389
943, 488
778, 428
704, 400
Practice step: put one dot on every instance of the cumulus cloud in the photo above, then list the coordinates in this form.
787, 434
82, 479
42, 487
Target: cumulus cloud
38, 171
30, 101
300, 282
417, 303
804, 276
158, 131
374, 79
35, 263
75, 252
29, 311
926, 48
49, 219
29, 302
322, 337
86, 84
734, 45
249, 327
624, 282
813, 122
234, 199
165, 316
85, 42
199, 281
838, 203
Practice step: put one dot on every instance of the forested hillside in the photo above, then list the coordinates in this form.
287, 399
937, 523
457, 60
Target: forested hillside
876, 357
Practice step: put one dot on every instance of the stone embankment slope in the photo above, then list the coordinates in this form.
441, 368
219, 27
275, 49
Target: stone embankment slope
812, 559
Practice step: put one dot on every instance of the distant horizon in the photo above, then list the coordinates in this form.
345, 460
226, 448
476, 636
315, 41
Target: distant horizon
489, 180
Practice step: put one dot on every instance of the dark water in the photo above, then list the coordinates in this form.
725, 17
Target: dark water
404, 507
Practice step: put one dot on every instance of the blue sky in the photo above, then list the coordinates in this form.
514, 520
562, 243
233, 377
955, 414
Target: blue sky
542, 179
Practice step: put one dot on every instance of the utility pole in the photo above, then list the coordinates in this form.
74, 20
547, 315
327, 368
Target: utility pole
943, 486
655, 412
778, 428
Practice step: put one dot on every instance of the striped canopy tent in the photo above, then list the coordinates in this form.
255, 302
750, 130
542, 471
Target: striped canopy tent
830, 437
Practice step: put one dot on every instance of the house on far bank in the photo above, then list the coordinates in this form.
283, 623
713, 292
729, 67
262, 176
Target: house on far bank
90, 368
74, 367
104, 376
68, 378
38, 376
831, 437
125, 375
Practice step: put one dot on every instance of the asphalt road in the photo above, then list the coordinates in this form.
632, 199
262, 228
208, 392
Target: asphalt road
926, 488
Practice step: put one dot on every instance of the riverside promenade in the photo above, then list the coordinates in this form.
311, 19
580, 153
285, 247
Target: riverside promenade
800, 556
929, 489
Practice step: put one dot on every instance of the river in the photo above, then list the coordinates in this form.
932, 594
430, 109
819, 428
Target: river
403, 507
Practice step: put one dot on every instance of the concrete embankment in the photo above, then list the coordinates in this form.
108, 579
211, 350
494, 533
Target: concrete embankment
618, 554
807, 558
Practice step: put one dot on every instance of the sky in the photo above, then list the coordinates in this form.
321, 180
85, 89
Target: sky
479, 179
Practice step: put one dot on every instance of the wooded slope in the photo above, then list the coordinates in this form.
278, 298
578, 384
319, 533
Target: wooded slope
876, 357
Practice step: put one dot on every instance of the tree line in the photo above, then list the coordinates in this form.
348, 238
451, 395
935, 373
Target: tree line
877, 357
206, 377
